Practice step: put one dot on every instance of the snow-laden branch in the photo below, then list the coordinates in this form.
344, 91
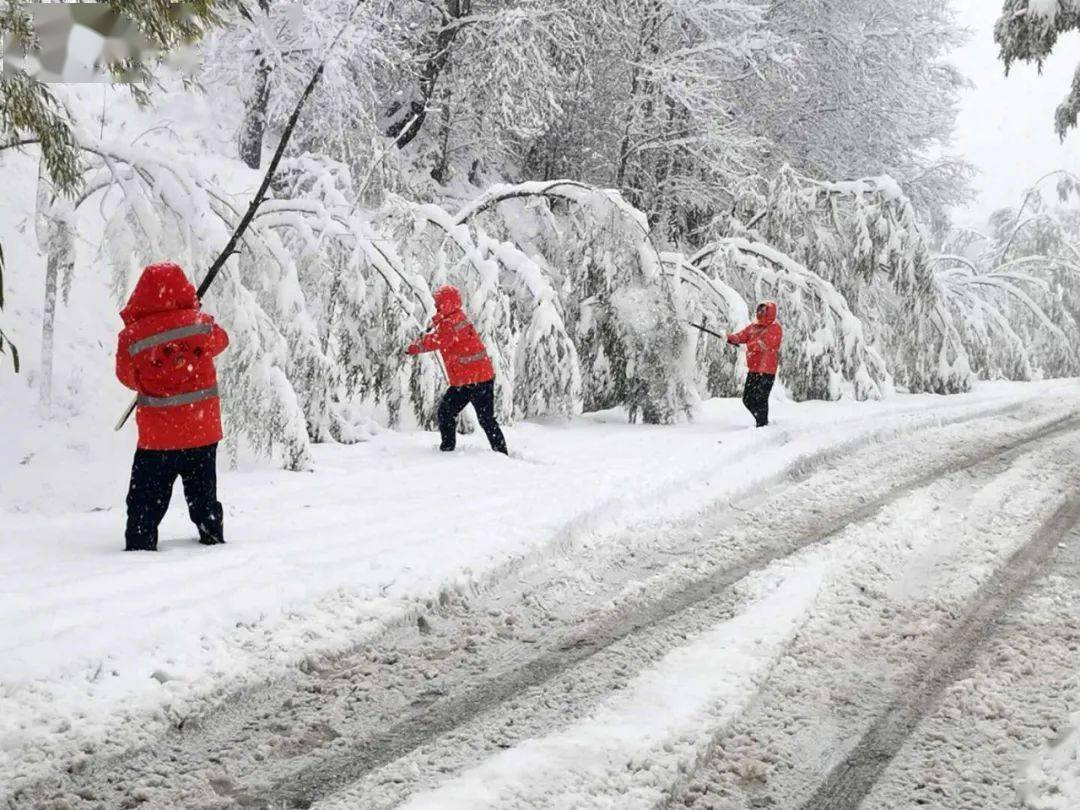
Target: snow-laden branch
860, 363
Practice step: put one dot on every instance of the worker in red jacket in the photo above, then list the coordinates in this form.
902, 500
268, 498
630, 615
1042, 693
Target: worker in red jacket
166, 353
762, 339
472, 377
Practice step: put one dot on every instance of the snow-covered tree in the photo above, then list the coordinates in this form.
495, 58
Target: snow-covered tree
1027, 31
711, 303
646, 105
826, 352
1015, 290
623, 313
480, 76
869, 91
863, 238
28, 109
262, 62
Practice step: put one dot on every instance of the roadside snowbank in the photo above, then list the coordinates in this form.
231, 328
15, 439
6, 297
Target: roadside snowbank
99, 645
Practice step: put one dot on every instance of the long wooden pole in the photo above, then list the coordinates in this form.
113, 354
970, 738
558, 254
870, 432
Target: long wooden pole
700, 327
249, 215
260, 195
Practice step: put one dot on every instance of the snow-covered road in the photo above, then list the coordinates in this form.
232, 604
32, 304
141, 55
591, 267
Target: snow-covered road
711, 632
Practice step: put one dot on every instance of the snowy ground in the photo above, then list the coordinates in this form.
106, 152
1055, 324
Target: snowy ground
1001, 732
102, 652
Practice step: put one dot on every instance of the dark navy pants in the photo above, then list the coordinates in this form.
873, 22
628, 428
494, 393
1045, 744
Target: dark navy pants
152, 475
482, 397
756, 396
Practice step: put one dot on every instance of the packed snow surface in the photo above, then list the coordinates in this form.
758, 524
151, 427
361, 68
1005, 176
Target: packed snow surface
103, 649
678, 702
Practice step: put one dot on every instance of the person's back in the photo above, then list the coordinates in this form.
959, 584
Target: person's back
166, 353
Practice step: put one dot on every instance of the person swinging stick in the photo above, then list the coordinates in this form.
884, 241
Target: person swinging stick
166, 354
762, 339
468, 366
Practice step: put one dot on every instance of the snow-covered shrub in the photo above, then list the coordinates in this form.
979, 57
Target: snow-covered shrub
862, 237
623, 313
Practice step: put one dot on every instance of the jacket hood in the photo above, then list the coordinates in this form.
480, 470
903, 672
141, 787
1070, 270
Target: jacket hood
161, 288
447, 301
768, 317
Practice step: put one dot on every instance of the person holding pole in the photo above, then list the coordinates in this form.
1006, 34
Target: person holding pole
762, 339
166, 353
468, 367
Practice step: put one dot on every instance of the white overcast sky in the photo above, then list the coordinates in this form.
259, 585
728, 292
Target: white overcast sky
1006, 125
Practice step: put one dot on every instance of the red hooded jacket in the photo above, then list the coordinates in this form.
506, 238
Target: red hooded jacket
165, 352
453, 335
762, 339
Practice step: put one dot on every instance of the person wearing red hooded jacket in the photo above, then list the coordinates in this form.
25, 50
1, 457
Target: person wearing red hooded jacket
762, 339
472, 377
166, 353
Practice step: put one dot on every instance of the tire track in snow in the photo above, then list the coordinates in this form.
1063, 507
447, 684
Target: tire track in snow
537, 726
913, 583
350, 763
632, 742
851, 780
589, 762
1009, 715
322, 743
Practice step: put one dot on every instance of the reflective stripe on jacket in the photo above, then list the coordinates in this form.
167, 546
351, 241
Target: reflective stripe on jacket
454, 336
166, 353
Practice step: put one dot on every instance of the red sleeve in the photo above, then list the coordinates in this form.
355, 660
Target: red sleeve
125, 367
739, 337
432, 341
219, 340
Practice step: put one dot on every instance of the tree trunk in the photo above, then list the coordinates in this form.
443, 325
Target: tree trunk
252, 130
638, 110
409, 117
441, 171
48, 325
56, 240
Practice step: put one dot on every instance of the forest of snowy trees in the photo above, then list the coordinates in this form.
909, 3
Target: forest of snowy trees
593, 175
